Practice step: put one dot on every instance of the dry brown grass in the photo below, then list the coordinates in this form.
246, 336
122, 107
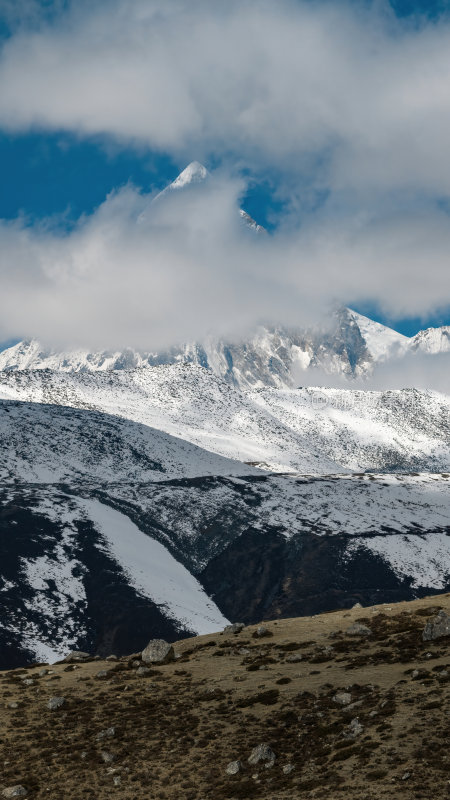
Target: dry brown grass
177, 729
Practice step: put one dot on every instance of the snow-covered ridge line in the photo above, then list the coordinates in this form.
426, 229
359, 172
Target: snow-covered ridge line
44, 443
276, 357
308, 431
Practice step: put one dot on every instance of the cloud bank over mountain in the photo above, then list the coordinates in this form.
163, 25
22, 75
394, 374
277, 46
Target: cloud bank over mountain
150, 274
348, 105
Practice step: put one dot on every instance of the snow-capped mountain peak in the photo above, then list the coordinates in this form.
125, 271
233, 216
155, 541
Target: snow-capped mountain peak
248, 220
380, 340
432, 340
193, 173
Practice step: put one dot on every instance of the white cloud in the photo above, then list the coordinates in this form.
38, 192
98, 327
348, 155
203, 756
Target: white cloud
267, 82
344, 102
137, 272
150, 274
414, 370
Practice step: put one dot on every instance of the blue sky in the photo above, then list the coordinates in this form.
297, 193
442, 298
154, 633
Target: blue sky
59, 166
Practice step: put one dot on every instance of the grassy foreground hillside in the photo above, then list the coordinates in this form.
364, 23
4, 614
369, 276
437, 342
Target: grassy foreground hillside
347, 714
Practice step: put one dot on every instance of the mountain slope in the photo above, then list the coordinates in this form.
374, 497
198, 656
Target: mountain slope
382, 342
105, 566
77, 574
432, 340
49, 443
343, 715
303, 430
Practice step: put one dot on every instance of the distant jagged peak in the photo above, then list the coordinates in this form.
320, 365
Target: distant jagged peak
248, 220
196, 173
381, 341
193, 173
432, 340
360, 319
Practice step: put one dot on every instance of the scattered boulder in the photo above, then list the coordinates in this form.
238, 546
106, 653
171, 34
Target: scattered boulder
14, 791
342, 698
107, 757
294, 658
55, 702
437, 627
77, 655
357, 605
235, 628
262, 752
358, 629
111, 658
109, 733
288, 768
233, 768
354, 729
419, 674
158, 651
261, 632
143, 671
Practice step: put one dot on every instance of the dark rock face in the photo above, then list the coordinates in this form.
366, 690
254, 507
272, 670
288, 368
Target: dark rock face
264, 576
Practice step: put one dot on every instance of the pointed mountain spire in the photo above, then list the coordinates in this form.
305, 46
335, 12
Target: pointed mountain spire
194, 173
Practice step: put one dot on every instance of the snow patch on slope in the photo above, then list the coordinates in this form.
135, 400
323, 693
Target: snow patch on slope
55, 591
154, 572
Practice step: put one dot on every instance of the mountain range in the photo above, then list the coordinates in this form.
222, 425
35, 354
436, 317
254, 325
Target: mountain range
276, 357
162, 494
